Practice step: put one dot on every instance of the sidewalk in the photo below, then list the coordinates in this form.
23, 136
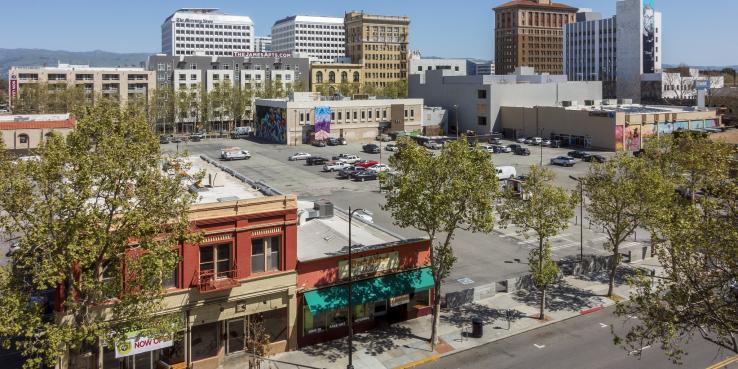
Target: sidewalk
405, 344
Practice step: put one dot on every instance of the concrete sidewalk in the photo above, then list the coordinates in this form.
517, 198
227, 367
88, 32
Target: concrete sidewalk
405, 344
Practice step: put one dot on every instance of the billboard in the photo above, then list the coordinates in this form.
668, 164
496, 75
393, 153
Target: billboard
271, 124
322, 122
136, 344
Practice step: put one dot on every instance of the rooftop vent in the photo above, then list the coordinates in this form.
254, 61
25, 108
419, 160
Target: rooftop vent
324, 208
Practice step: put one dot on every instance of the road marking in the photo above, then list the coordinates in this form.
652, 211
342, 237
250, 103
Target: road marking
632, 317
539, 346
602, 325
639, 351
724, 363
550, 238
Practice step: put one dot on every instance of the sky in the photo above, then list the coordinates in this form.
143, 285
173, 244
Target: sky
696, 33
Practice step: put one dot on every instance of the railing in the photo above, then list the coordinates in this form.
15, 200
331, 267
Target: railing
209, 280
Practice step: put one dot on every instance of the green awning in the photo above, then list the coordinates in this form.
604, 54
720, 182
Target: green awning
375, 289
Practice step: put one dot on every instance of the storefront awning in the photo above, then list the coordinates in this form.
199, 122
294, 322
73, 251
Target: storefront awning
375, 289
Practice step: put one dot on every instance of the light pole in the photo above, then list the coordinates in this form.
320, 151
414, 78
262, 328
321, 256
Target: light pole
581, 218
540, 134
456, 118
350, 282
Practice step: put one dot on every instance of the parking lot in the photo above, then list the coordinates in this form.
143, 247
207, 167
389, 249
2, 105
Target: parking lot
482, 258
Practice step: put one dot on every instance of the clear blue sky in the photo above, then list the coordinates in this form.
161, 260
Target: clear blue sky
695, 32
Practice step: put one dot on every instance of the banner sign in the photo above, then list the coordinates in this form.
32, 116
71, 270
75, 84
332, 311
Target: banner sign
399, 300
136, 344
13, 87
322, 122
262, 54
369, 265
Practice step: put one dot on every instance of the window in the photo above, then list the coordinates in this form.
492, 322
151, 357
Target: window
332, 77
193, 77
169, 280
23, 138
344, 77
481, 94
204, 341
216, 258
482, 121
356, 76
354, 115
265, 254
363, 115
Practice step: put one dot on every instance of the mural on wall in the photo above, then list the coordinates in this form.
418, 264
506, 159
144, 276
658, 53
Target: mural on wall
632, 138
619, 138
648, 131
710, 123
271, 124
322, 122
681, 125
666, 128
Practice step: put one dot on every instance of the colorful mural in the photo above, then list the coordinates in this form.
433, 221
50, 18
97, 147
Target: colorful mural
271, 124
710, 123
666, 128
322, 122
681, 125
619, 138
632, 138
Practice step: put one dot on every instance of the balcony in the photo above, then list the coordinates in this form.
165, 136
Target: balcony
210, 281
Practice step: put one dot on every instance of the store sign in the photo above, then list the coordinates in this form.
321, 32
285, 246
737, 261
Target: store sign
369, 265
399, 300
258, 54
13, 87
139, 344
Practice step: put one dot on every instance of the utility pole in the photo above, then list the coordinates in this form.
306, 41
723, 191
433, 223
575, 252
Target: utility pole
581, 217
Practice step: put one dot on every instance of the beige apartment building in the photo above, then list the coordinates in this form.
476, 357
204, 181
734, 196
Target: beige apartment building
380, 44
328, 78
118, 83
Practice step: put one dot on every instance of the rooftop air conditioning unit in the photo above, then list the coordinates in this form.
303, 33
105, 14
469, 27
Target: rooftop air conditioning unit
324, 208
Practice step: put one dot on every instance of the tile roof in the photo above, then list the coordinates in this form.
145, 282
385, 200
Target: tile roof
48, 124
531, 3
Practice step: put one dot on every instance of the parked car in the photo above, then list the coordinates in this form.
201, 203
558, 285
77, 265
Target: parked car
351, 159
495, 141
563, 161
595, 158
514, 147
316, 160
383, 137
340, 156
379, 168
299, 156
366, 163
195, 138
319, 143
521, 139
198, 136
537, 140
164, 140
528, 141
506, 172
370, 148
433, 145
546, 143
347, 172
524, 151
488, 148
577, 154
391, 147
234, 153
333, 141
176, 139
365, 175
241, 132
335, 165
555, 143
502, 148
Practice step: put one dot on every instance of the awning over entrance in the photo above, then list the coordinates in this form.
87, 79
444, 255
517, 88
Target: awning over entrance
368, 290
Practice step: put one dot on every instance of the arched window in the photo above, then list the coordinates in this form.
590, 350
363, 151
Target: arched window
344, 77
23, 138
356, 76
319, 77
332, 77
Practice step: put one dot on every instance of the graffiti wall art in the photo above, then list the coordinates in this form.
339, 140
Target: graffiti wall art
271, 124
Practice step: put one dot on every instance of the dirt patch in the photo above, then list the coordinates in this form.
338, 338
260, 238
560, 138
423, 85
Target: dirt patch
729, 136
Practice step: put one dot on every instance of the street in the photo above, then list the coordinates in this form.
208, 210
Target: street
581, 342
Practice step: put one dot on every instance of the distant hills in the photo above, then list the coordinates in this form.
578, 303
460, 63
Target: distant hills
95, 58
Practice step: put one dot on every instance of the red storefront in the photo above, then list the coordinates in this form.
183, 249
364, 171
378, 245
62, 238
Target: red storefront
392, 283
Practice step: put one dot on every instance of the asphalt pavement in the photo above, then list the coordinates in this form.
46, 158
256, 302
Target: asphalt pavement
582, 342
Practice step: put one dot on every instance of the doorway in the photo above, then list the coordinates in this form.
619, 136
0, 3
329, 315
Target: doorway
236, 336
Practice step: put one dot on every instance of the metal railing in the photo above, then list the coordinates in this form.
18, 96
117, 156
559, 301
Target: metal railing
210, 280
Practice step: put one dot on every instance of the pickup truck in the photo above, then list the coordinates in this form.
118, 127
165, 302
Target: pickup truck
335, 165
350, 159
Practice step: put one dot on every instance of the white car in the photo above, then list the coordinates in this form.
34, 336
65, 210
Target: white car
234, 153
433, 145
503, 148
506, 172
350, 159
391, 147
335, 165
379, 168
537, 140
488, 148
299, 156
521, 139
546, 143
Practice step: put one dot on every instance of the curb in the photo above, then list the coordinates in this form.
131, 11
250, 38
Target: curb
420, 362
591, 310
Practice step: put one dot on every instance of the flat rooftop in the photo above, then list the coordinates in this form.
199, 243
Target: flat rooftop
320, 238
639, 109
219, 185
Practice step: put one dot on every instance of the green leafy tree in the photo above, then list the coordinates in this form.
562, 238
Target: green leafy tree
345, 88
162, 107
240, 102
696, 238
299, 86
185, 99
96, 218
545, 209
440, 195
624, 193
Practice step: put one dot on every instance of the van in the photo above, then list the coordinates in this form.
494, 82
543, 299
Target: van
506, 172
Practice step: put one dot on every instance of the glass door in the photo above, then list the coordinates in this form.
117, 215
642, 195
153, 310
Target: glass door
236, 335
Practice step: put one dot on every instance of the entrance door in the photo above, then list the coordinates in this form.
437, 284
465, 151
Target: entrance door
236, 335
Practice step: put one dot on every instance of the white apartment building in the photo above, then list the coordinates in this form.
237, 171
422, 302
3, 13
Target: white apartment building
206, 31
263, 44
616, 50
455, 67
322, 39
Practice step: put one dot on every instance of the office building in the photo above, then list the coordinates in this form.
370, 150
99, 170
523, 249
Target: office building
605, 124
530, 33
293, 120
322, 39
329, 79
455, 67
122, 84
677, 84
619, 49
476, 67
474, 102
263, 44
206, 31
380, 44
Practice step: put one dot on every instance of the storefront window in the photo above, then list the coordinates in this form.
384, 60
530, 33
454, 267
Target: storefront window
420, 299
337, 318
314, 323
362, 312
204, 341
275, 323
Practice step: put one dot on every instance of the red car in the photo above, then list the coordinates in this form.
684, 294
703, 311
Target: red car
366, 163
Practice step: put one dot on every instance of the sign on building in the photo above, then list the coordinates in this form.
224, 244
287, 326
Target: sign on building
13, 87
136, 344
262, 54
369, 265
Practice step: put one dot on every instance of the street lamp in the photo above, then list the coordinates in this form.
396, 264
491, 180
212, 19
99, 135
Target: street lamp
456, 118
581, 218
366, 215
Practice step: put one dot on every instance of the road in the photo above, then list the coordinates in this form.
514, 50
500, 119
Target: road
582, 342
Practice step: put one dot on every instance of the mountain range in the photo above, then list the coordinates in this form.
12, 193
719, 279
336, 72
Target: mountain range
95, 58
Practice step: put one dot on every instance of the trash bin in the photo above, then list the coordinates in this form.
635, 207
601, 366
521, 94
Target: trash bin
477, 327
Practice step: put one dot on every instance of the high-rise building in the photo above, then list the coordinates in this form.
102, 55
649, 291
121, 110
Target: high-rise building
597, 49
380, 44
530, 33
263, 44
206, 31
320, 38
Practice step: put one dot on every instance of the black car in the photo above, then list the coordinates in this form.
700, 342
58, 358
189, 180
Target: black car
577, 154
319, 143
524, 151
348, 172
594, 158
365, 175
371, 148
333, 141
164, 140
514, 147
316, 160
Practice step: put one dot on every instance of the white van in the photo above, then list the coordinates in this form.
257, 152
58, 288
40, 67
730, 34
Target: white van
506, 172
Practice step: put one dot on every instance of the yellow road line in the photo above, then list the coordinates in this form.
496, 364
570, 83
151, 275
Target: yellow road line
420, 362
724, 363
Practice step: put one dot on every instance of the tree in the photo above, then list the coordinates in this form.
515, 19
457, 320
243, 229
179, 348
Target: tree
624, 193
184, 100
345, 88
162, 107
96, 220
257, 341
544, 209
697, 246
239, 103
439, 195
299, 86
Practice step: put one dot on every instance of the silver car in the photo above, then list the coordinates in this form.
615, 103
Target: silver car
563, 161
